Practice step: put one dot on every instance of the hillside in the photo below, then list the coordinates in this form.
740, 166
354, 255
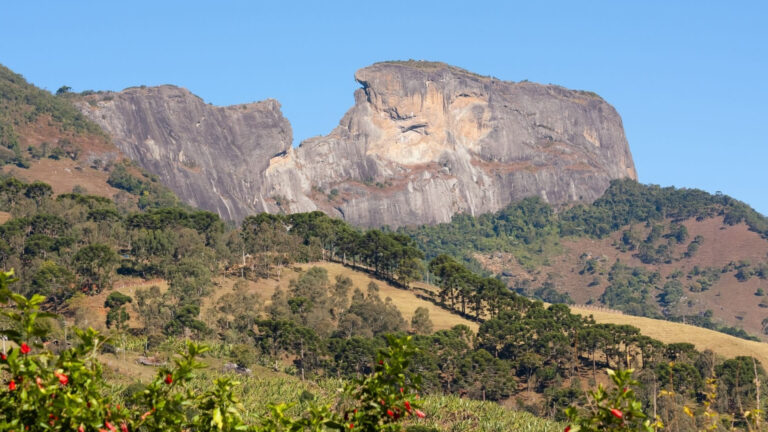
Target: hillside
267, 386
670, 332
407, 301
582, 270
34, 124
679, 254
110, 246
269, 293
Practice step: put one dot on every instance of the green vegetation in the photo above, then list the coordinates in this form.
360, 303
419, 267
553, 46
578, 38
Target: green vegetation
614, 410
73, 247
151, 193
529, 226
22, 103
630, 289
67, 392
649, 219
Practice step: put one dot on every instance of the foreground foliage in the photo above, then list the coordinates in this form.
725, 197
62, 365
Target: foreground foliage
45, 391
614, 410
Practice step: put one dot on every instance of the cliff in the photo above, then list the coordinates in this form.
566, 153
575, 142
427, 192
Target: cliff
423, 141
211, 157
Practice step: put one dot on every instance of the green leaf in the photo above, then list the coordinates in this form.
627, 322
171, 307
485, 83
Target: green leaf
217, 421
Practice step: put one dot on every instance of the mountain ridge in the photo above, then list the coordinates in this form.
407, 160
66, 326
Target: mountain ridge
423, 141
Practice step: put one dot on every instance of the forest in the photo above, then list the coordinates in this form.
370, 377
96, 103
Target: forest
69, 247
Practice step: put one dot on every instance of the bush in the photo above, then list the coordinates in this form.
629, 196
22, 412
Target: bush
614, 410
67, 392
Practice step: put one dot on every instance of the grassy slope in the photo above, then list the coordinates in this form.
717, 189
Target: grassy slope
671, 332
407, 302
732, 302
34, 117
63, 175
446, 412
266, 386
665, 331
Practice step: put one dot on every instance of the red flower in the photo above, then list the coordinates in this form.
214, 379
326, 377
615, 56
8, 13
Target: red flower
351, 425
63, 379
401, 389
168, 379
381, 362
390, 413
408, 406
123, 427
567, 429
12, 385
3, 356
382, 402
24, 348
81, 429
616, 413
109, 426
420, 414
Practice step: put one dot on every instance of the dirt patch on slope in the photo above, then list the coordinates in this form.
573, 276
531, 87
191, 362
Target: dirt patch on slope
63, 175
732, 302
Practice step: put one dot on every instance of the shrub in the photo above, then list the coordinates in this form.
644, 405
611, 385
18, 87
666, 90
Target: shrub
614, 410
66, 392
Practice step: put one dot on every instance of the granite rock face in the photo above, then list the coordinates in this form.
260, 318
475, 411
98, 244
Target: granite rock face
211, 157
423, 141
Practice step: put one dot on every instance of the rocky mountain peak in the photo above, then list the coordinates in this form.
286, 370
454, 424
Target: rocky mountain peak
424, 140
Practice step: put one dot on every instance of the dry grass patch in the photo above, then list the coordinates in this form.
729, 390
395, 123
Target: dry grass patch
63, 175
406, 301
672, 332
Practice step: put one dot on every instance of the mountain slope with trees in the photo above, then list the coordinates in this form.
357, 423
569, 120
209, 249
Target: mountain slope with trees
679, 254
71, 247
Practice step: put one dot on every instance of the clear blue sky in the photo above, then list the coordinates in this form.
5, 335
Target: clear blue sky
690, 78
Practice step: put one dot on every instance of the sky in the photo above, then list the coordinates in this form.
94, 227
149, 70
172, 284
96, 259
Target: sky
689, 78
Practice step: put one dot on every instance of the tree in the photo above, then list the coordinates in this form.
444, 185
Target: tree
616, 409
486, 377
155, 311
38, 191
117, 314
420, 323
83, 400
340, 295
94, 264
53, 281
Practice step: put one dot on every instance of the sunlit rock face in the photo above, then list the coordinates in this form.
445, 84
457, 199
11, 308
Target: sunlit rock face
423, 141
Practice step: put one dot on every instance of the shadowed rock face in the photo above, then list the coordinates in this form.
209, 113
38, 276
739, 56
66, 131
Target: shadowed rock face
422, 142
211, 157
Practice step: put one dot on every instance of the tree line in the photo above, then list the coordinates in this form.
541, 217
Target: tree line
74, 245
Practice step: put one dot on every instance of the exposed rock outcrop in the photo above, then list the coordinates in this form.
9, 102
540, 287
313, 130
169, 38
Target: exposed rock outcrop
423, 141
211, 157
